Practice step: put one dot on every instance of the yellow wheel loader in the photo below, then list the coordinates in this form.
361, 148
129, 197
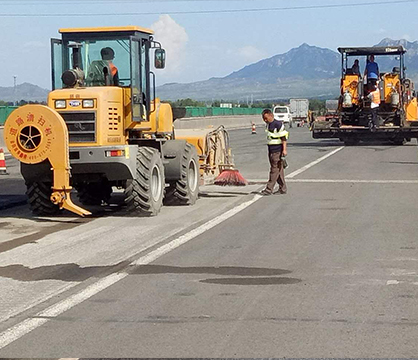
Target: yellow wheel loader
104, 128
397, 114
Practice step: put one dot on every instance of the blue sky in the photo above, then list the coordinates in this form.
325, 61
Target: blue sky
199, 45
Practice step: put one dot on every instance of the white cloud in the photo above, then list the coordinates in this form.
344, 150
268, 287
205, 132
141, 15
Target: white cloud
251, 53
173, 38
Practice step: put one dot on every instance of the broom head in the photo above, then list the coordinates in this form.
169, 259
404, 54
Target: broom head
230, 177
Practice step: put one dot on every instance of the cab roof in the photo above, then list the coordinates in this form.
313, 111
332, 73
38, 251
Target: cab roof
375, 50
106, 29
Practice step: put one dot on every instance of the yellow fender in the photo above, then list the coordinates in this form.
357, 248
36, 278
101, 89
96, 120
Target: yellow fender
34, 133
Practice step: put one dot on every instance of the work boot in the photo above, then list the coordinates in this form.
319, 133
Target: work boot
265, 192
280, 192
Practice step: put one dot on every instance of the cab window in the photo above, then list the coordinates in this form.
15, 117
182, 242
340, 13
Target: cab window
104, 62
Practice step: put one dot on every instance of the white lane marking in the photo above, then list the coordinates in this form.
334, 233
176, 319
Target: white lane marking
195, 232
23, 328
313, 163
393, 282
354, 181
19, 310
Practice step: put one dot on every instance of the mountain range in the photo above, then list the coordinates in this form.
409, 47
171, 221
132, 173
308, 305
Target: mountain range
305, 71
25, 91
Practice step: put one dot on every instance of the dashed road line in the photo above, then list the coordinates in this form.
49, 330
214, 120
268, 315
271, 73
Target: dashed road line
16, 332
313, 163
353, 181
30, 324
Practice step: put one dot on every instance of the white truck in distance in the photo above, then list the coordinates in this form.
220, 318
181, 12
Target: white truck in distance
282, 113
299, 109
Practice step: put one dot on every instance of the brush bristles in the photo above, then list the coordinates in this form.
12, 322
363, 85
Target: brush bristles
230, 178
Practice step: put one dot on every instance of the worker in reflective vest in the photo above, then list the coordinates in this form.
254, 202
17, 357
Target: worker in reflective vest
277, 146
374, 96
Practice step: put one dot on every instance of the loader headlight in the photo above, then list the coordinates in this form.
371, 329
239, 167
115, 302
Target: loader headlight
60, 104
89, 103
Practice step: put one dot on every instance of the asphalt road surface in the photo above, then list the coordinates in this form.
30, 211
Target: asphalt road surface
328, 270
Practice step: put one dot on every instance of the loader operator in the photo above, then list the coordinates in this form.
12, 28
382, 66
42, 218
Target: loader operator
108, 55
355, 69
277, 145
372, 72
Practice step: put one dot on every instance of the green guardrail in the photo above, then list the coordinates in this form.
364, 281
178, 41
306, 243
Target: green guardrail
218, 111
5, 112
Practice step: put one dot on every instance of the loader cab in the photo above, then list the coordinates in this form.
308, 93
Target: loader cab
110, 56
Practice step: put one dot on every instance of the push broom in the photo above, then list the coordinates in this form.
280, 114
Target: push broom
229, 176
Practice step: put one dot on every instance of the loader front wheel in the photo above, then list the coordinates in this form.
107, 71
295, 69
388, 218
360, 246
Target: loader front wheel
185, 191
145, 193
39, 194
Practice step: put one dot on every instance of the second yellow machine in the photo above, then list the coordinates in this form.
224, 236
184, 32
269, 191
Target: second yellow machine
397, 113
104, 127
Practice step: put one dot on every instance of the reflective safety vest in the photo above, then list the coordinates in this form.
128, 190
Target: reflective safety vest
113, 69
274, 138
376, 97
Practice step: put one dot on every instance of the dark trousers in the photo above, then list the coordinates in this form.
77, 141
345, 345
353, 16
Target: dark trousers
375, 120
276, 173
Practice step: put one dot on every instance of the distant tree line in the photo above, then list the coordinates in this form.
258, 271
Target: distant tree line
316, 105
217, 103
20, 103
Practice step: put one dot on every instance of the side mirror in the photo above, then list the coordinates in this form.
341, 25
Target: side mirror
159, 59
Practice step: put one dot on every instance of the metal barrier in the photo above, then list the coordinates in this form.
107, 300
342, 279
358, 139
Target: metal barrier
5, 112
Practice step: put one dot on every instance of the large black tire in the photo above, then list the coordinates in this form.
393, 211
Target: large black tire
39, 199
185, 191
399, 142
94, 193
145, 193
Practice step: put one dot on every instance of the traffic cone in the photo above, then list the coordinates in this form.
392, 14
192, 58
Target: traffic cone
3, 170
253, 129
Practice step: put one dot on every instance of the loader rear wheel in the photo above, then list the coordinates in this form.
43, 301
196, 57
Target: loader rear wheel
94, 193
39, 194
186, 190
145, 193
